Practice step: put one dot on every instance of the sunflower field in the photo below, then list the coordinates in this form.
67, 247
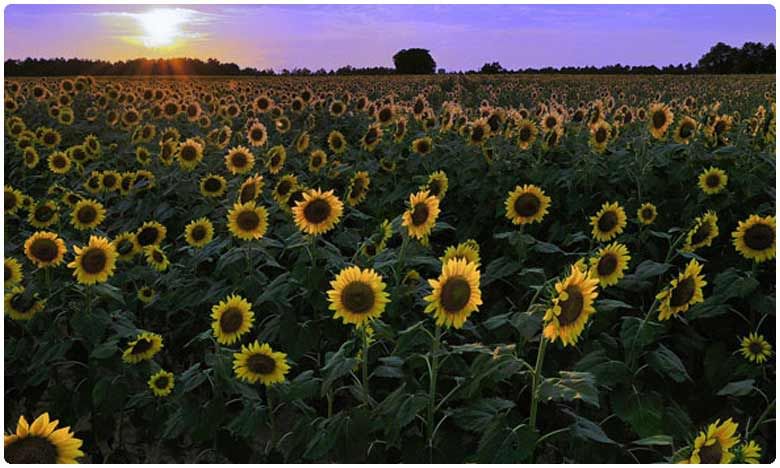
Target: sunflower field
446, 269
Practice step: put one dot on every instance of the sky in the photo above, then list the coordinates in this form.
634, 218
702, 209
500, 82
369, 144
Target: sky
460, 37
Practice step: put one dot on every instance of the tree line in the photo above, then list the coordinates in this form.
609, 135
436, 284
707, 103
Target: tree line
752, 57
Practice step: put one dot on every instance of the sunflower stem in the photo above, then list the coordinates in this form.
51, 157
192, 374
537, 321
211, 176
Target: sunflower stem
89, 299
270, 403
434, 370
364, 364
536, 381
760, 419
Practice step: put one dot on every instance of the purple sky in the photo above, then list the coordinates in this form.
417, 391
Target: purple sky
460, 37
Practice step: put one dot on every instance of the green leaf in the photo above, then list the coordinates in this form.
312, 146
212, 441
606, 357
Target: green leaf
337, 365
739, 388
608, 305
631, 335
586, 429
479, 413
666, 363
643, 413
650, 269
655, 440
105, 350
500, 268
570, 386
106, 290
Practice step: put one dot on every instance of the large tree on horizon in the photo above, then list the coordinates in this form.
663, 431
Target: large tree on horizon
414, 61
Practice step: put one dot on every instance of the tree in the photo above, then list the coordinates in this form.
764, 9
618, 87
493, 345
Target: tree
722, 58
414, 61
492, 68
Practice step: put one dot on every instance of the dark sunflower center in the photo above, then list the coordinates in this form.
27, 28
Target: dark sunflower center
10, 200
713, 180
659, 119
337, 142
23, 302
683, 292
212, 184
720, 127
607, 264
161, 382
711, 454
109, 180
247, 193
385, 114
755, 348
231, 320
647, 213
455, 294
86, 214
257, 134
434, 187
31, 449
275, 160
607, 221
248, 220
527, 205
423, 146
147, 236
157, 256
44, 213
358, 297
284, 187
525, 134
337, 108
316, 211
601, 135
44, 250
477, 133
316, 161
371, 136
261, 364
124, 247
420, 214
8, 273
198, 233
188, 153
550, 122
571, 308
239, 160
686, 130
759, 237
141, 346
59, 162
49, 139
94, 261
701, 233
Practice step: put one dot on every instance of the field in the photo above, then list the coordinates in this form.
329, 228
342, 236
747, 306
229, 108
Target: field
423, 269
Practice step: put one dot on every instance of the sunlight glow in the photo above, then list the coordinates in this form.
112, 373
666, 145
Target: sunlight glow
162, 26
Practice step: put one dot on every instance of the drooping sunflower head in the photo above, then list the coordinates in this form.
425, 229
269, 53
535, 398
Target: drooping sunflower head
357, 296
318, 212
30, 156
755, 348
714, 445
647, 213
685, 131
713, 180
44, 214
747, 452
13, 272
468, 251
42, 443
213, 185
705, 230
571, 307
526, 204
239, 160
455, 294
683, 292
150, 233
143, 348
438, 184
95, 262
161, 383
198, 233
358, 188
422, 146
284, 188
479, 132
275, 159
421, 215
609, 264
251, 188
22, 303
336, 142
13, 199
156, 258
259, 363
45, 249
126, 246
609, 222
372, 137
232, 318
247, 221
755, 238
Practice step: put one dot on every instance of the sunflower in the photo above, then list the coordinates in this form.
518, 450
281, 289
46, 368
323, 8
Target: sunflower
609, 222
259, 363
358, 188
526, 134
479, 132
92, 184
199, 232
705, 230
156, 258
213, 185
275, 159
337, 108
755, 348
421, 215
126, 246
43, 214
239, 160
146, 294
526, 204
22, 304
161, 383
754, 238
232, 318
143, 156
31, 158
257, 135
143, 348
437, 185
609, 264
45, 249
42, 443
682, 292
455, 294
600, 136
13, 272
250, 189
150, 233
357, 296
571, 307
126, 183
713, 446
302, 142
247, 221
336, 142
372, 137
468, 251
647, 213
318, 212
284, 188
749, 452
422, 146
95, 262
190, 153
87, 214
59, 163
685, 131
317, 160
110, 180
13, 199
713, 180
659, 119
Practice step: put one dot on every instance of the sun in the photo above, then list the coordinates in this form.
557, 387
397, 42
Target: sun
162, 26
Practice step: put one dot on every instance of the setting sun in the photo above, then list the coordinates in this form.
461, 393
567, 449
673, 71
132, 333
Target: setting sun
161, 26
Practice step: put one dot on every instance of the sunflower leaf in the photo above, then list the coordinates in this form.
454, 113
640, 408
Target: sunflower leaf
570, 386
738, 388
